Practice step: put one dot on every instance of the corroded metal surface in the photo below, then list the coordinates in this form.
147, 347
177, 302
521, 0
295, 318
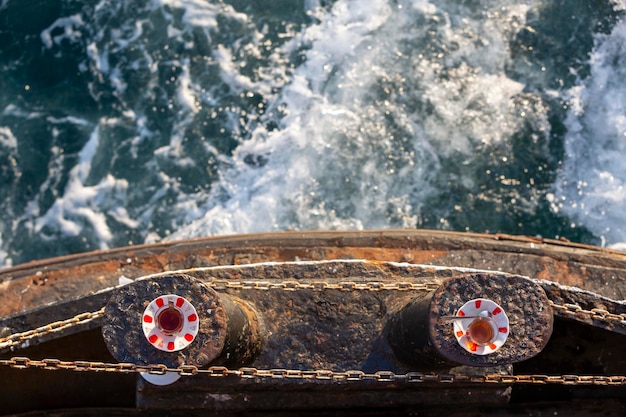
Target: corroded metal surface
38, 389
420, 338
526, 306
243, 395
329, 315
229, 331
343, 274
346, 329
305, 329
123, 334
50, 281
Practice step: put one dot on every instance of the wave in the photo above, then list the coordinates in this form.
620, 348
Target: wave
173, 119
591, 185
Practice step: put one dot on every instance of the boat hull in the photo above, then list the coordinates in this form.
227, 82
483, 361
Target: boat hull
45, 291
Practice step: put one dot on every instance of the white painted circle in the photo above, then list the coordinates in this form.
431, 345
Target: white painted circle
484, 308
182, 336
165, 379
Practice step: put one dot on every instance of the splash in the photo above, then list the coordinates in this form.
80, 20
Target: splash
164, 119
368, 118
591, 185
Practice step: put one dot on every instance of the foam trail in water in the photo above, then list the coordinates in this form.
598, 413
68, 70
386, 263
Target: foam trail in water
83, 204
385, 91
213, 121
8, 155
591, 188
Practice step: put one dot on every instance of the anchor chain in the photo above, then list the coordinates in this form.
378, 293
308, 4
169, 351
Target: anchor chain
320, 374
575, 311
16, 339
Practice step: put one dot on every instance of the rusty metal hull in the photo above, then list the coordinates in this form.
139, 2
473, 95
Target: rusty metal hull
47, 281
43, 291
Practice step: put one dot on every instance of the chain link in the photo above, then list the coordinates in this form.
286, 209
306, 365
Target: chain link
575, 311
57, 326
319, 375
323, 286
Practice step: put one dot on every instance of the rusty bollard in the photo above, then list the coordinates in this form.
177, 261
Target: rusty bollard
479, 319
176, 319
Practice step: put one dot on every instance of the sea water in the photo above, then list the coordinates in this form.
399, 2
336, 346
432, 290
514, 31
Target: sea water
136, 121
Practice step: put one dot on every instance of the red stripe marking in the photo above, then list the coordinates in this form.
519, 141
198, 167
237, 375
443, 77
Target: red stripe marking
159, 302
189, 337
461, 313
147, 318
153, 338
503, 329
192, 317
477, 303
473, 346
179, 302
492, 346
496, 311
170, 346
459, 333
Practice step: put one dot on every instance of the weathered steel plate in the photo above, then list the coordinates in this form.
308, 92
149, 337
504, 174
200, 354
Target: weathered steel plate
43, 291
38, 283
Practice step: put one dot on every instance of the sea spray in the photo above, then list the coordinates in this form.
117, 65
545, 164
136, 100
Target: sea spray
131, 122
591, 186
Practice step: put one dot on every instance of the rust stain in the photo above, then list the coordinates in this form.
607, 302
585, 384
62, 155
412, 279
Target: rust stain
46, 285
41, 282
385, 254
560, 271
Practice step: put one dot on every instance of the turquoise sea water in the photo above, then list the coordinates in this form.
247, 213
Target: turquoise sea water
124, 122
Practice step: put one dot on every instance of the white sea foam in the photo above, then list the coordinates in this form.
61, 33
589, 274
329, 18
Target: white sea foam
68, 26
13, 110
197, 12
362, 111
336, 163
8, 149
591, 188
5, 260
7, 140
83, 204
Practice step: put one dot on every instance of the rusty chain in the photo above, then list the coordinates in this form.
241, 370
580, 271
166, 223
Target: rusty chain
57, 326
320, 375
323, 286
566, 310
575, 311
